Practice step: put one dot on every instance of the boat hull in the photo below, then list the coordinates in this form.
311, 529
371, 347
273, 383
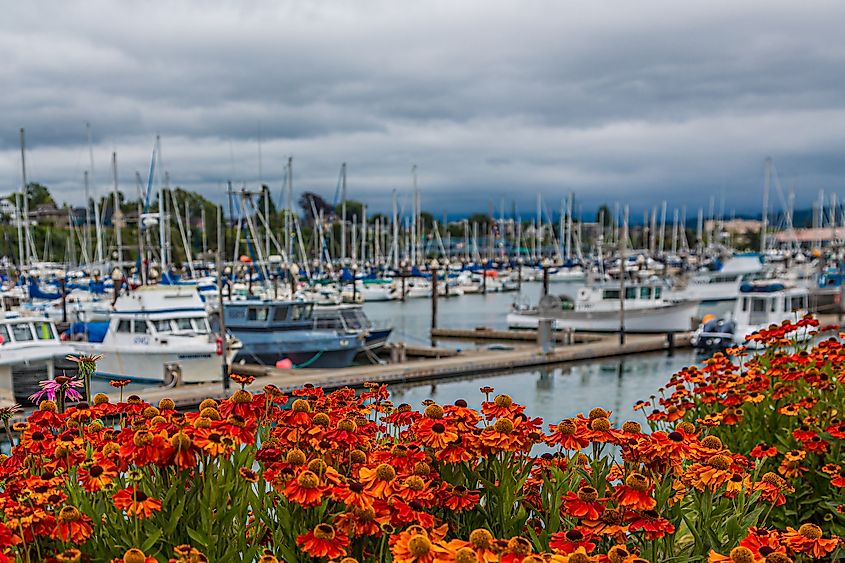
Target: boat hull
376, 339
669, 318
313, 349
147, 366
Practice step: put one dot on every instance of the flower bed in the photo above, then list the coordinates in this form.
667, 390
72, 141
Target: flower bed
742, 464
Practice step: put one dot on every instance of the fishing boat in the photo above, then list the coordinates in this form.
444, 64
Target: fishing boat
30, 351
760, 305
274, 330
597, 309
351, 319
156, 334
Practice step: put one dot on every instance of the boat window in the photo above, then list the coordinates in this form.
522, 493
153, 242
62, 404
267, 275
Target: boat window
301, 312
745, 303
758, 305
325, 323
201, 325
163, 326
353, 319
657, 292
630, 293
280, 313
4, 334
610, 294
645, 292
184, 324
141, 327
797, 303
257, 313
124, 325
43, 331
22, 332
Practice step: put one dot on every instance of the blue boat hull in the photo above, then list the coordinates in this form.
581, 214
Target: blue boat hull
311, 349
376, 339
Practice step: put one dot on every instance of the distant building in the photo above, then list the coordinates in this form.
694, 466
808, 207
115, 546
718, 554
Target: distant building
827, 235
735, 226
49, 214
8, 211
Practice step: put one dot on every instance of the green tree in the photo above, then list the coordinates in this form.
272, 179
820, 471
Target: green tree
353, 209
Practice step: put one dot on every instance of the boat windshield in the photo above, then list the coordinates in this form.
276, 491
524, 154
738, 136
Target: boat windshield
183, 325
22, 332
44, 331
354, 320
301, 312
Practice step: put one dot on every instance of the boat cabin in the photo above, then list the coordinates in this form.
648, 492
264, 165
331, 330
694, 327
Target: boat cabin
269, 314
20, 332
772, 302
607, 296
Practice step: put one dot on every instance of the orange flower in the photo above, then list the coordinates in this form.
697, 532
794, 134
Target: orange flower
213, 442
95, 476
72, 526
323, 541
583, 504
635, 493
808, 540
416, 545
307, 489
136, 503
434, 433
379, 482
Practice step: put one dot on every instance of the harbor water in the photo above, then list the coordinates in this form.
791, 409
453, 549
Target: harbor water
551, 393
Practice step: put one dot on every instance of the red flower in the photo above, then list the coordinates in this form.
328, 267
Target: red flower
323, 541
136, 503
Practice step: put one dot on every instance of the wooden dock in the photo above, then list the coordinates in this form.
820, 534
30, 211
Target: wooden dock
464, 363
522, 335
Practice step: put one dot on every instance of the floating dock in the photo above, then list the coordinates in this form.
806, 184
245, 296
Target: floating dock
464, 363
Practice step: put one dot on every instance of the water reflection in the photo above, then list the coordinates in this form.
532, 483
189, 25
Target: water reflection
562, 391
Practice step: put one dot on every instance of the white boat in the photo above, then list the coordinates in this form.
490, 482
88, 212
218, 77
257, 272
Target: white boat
30, 351
597, 308
157, 334
723, 284
567, 274
370, 290
760, 305
417, 288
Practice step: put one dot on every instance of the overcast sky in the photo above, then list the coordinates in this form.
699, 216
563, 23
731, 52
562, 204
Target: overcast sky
494, 101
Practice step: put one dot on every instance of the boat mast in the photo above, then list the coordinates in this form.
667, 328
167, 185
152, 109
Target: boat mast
343, 213
162, 241
414, 202
395, 242
289, 214
23, 208
765, 223
97, 224
117, 214
363, 234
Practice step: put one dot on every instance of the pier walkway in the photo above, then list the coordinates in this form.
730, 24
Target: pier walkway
465, 363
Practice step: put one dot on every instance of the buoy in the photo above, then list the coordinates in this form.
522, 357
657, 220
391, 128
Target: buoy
284, 363
708, 318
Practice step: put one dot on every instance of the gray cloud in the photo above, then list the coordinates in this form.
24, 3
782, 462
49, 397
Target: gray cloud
634, 102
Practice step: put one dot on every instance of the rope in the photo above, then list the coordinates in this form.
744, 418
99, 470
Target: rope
310, 361
374, 359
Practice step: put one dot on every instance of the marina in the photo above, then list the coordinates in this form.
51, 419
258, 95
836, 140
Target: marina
466, 363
